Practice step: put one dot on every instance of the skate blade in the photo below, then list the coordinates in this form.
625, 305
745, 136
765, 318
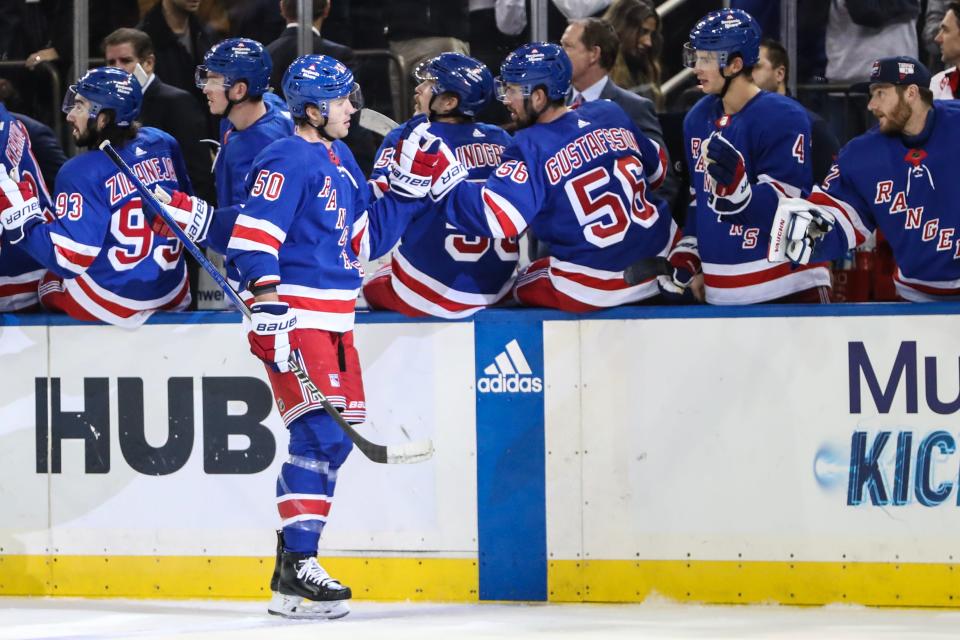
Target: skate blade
300, 608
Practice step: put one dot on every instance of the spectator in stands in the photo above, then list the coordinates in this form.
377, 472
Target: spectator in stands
283, 50
771, 73
859, 32
593, 46
932, 17
46, 146
179, 42
946, 84
637, 67
258, 20
165, 107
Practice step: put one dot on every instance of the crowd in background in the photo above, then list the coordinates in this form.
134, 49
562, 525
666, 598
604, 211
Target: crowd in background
837, 42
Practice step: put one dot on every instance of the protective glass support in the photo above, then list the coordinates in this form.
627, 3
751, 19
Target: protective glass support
693, 57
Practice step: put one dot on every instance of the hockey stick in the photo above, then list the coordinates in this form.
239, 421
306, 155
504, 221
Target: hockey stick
377, 122
392, 454
647, 268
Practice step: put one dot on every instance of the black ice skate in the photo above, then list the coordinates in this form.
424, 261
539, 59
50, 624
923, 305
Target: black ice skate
306, 590
275, 578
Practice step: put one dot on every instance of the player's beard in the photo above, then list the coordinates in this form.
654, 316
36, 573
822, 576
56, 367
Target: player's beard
522, 120
897, 119
88, 138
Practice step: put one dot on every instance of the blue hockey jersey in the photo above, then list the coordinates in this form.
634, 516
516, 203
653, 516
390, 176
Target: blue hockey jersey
907, 188
583, 183
237, 152
772, 133
19, 273
436, 269
100, 241
305, 219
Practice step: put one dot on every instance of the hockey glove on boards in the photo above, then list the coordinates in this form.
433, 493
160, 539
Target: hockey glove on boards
414, 159
728, 186
271, 334
798, 226
191, 214
684, 261
19, 207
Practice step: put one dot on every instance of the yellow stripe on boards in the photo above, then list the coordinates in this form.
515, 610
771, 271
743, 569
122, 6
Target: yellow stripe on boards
716, 582
433, 579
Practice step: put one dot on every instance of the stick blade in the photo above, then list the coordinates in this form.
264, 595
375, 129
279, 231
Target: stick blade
410, 453
643, 270
376, 122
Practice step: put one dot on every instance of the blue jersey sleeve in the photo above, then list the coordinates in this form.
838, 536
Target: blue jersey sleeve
501, 207
68, 244
840, 196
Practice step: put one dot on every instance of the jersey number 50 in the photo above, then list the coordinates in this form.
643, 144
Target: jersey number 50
605, 213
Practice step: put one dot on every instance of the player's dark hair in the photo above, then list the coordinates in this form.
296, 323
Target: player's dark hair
598, 32
142, 44
777, 56
289, 8
118, 136
955, 7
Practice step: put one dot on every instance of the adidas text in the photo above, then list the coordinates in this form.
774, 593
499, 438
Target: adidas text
510, 384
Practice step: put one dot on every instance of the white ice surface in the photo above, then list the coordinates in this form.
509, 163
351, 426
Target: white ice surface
62, 618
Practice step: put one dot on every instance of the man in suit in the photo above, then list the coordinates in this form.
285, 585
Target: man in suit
592, 45
283, 50
164, 106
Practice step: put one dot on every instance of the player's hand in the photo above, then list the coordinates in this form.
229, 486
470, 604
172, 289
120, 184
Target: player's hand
684, 261
448, 173
271, 334
798, 226
19, 207
728, 185
191, 214
415, 159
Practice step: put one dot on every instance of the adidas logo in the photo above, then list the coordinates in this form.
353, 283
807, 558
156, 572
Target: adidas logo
509, 373
478, 134
582, 123
139, 152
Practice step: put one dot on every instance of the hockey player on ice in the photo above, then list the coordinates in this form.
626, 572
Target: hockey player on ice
296, 245
436, 270
899, 177
104, 261
582, 180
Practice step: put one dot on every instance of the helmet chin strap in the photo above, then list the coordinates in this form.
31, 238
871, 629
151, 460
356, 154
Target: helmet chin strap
534, 113
231, 103
728, 79
321, 129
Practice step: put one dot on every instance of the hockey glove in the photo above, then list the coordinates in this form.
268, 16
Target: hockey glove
448, 173
797, 227
271, 334
728, 186
19, 207
414, 160
191, 214
684, 261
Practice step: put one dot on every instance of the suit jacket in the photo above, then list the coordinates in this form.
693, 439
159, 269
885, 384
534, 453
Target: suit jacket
175, 111
283, 51
174, 63
643, 114
46, 148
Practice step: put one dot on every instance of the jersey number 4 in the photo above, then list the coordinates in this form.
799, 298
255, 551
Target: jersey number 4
133, 234
605, 213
